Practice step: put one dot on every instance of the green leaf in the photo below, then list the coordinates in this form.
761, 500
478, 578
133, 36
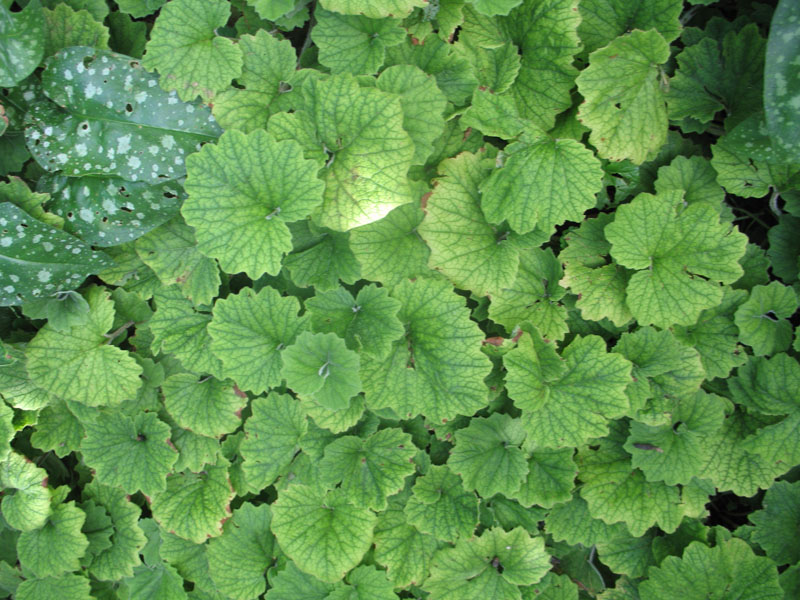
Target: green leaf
600, 284
272, 9
566, 401
615, 491
369, 470
6, 431
782, 79
161, 582
247, 325
97, 8
373, 10
390, 250
194, 505
775, 522
22, 42
490, 566
680, 254
242, 193
572, 522
319, 366
66, 27
437, 369
273, 433
171, 251
26, 499
674, 452
131, 453
17, 387
38, 260
292, 584
562, 172
188, 55
550, 478
494, 114
56, 547
267, 74
767, 385
402, 548
368, 323
604, 20
364, 583
17, 192
321, 257
625, 107
140, 8
495, 7
81, 364
369, 151
97, 529
208, 407
729, 570
695, 176
238, 558
440, 506
320, 531
354, 44
127, 538
762, 318
106, 96
423, 105
464, 247
713, 76
68, 587
546, 35
63, 311
179, 328
488, 457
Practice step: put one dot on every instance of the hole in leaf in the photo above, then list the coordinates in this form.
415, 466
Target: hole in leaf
771, 316
88, 60
128, 108
126, 209
676, 425
170, 195
496, 564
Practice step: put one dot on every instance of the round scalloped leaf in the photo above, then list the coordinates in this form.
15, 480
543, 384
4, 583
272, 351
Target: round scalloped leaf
127, 538
272, 436
375, 9
674, 452
402, 548
186, 51
194, 505
321, 367
543, 184
321, 257
66, 27
423, 105
17, 388
239, 557
364, 583
131, 453
777, 521
680, 253
615, 492
291, 583
207, 406
81, 364
371, 469
157, 581
566, 402
441, 507
140, 8
495, 7
782, 79
354, 44
534, 296
571, 522
242, 193
464, 247
546, 34
550, 478
625, 105
26, 499
38, 260
604, 20
68, 587
763, 318
695, 176
110, 119
320, 531
180, 329
488, 457
369, 151
56, 547
729, 570
6, 430
368, 323
438, 368
490, 566
390, 250
267, 74
248, 325
767, 385
21, 42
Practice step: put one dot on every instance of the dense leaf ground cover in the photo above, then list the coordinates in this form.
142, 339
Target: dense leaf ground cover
376, 299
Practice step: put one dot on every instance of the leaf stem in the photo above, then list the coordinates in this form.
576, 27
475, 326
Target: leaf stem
773, 202
113, 335
307, 41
